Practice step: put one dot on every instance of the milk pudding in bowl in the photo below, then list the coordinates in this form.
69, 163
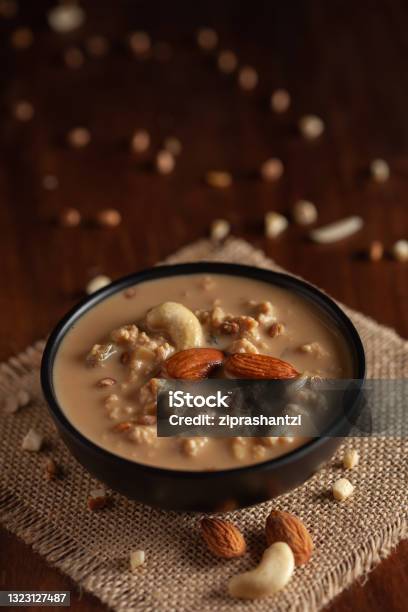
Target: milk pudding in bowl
104, 364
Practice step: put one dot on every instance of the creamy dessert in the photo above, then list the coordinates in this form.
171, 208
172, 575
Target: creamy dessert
108, 367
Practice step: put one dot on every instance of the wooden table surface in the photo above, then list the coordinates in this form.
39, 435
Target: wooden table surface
343, 61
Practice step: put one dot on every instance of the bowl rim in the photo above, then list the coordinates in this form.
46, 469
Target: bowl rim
286, 281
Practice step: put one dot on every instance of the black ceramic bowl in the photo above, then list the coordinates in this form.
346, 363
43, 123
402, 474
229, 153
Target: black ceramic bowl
204, 491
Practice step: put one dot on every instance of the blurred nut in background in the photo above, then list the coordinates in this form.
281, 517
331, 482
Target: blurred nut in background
79, 137
165, 162
140, 141
400, 250
97, 46
109, 217
311, 126
379, 170
275, 224
139, 42
376, 250
280, 101
227, 62
23, 110
97, 283
69, 217
50, 182
173, 145
304, 212
66, 17
220, 228
73, 58
247, 78
272, 169
22, 38
207, 39
218, 179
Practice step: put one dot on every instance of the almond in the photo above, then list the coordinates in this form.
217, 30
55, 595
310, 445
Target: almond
192, 364
223, 538
284, 527
251, 365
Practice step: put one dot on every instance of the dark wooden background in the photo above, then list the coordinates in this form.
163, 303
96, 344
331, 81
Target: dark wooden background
346, 61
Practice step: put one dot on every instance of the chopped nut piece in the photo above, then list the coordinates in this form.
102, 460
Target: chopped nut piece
97, 45
400, 250
173, 145
140, 141
280, 101
23, 110
313, 348
106, 382
242, 346
73, 58
311, 126
207, 39
127, 334
272, 169
66, 17
97, 499
23, 398
350, 459
276, 329
110, 217
136, 559
342, 489
229, 327
22, 38
97, 283
275, 224
50, 182
247, 78
239, 447
376, 250
121, 427
79, 137
304, 212
218, 179
269, 441
259, 451
165, 162
220, 228
146, 419
51, 469
100, 353
32, 441
69, 217
227, 62
379, 170
140, 43
191, 446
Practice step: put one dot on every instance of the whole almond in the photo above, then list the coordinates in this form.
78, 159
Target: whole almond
252, 365
223, 538
192, 364
285, 527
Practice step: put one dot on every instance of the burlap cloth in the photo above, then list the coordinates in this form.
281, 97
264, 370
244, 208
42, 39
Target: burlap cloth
179, 573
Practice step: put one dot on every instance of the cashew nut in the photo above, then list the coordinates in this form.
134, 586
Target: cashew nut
271, 575
179, 322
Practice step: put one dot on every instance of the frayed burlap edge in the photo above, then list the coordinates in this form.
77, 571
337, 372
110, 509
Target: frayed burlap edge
79, 564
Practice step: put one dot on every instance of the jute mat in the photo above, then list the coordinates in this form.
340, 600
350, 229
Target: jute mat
179, 573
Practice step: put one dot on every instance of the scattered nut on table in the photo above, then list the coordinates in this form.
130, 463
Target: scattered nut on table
247, 78
400, 250
342, 489
98, 499
51, 469
97, 283
207, 39
223, 538
220, 228
280, 101
227, 61
22, 38
275, 224
351, 459
271, 169
136, 559
79, 137
23, 110
339, 230
140, 141
376, 250
32, 441
218, 179
379, 170
109, 217
311, 126
69, 217
285, 527
165, 162
304, 212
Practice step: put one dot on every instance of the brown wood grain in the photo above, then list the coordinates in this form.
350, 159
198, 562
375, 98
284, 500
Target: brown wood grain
343, 61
